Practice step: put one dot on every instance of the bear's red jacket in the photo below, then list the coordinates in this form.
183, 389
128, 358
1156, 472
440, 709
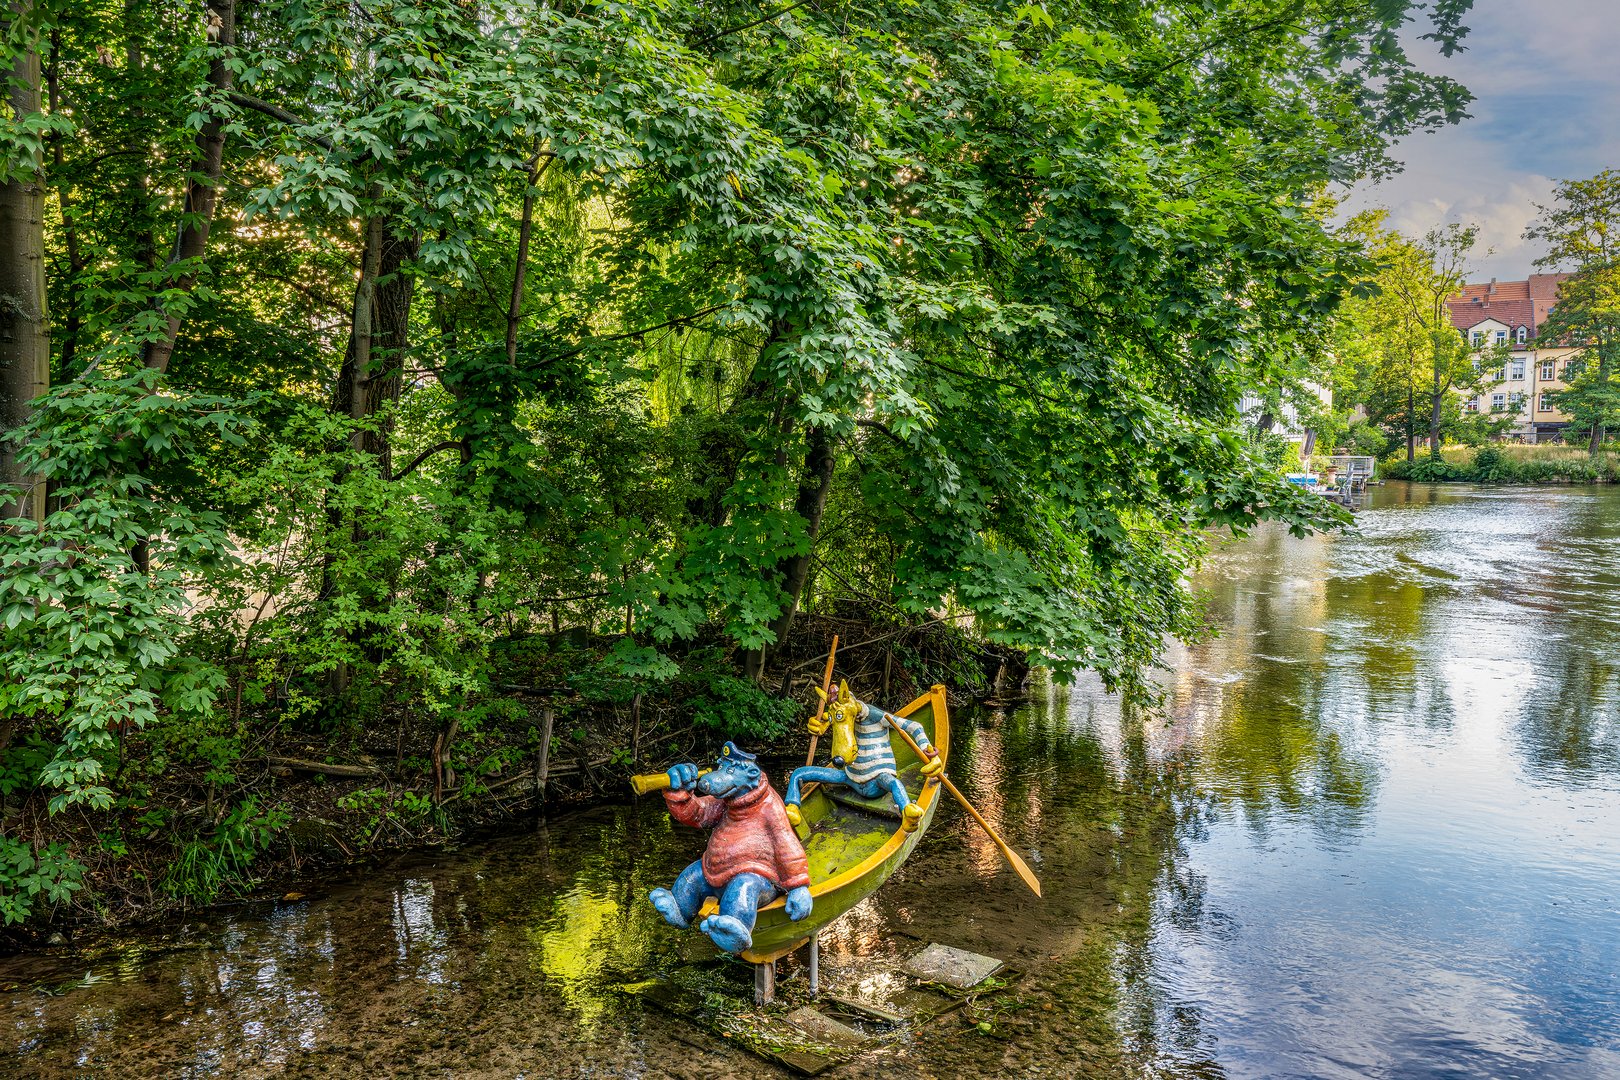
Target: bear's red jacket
752, 835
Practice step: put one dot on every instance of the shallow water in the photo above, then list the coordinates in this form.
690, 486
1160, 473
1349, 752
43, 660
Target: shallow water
1373, 833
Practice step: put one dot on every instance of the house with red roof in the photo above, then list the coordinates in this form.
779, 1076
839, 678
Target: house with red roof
1509, 313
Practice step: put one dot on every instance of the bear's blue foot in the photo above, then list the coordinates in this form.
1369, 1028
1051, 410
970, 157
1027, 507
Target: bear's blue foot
728, 933
664, 901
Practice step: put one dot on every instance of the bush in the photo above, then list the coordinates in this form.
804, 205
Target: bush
208, 865
1490, 467
28, 876
736, 708
1425, 470
1509, 463
1365, 439
1432, 470
1278, 451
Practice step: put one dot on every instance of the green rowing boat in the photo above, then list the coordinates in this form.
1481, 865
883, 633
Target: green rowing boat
854, 844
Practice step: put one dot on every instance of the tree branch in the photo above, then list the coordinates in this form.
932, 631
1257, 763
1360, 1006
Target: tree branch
1023, 388
882, 428
423, 456
303, 765
276, 112
712, 38
679, 320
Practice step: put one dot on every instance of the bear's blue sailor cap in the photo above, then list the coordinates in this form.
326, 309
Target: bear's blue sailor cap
731, 750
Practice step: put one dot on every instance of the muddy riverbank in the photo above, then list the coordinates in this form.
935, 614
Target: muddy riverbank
552, 734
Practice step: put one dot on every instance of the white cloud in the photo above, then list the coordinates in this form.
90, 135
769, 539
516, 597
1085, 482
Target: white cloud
1546, 80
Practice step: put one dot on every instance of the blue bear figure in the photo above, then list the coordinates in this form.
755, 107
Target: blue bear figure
753, 852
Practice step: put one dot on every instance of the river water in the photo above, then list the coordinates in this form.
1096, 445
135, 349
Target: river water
1374, 831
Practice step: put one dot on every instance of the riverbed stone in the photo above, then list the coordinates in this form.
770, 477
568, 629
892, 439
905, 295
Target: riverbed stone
956, 968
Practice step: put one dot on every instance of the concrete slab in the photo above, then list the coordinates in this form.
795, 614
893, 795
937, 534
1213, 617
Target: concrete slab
956, 968
807, 1052
864, 1009
824, 1029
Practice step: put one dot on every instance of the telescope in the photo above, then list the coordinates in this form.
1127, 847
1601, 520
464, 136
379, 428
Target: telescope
649, 782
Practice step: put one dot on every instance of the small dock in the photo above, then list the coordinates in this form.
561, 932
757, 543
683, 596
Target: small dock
1353, 472
1342, 478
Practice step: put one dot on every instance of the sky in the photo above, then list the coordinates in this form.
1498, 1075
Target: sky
1545, 75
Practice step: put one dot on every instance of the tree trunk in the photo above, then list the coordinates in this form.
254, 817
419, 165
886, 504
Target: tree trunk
514, 308
202, 186
379, 334
794, 572
391, 338
1411, 428
72, 319
1599, 430
25, 344
1436, 400
810, 504
138, 198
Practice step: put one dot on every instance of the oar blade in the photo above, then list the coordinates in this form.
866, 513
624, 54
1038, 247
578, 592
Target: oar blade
1007, 852
1023, 869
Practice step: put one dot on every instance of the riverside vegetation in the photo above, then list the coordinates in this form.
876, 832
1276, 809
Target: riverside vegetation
1509, 464
381, 378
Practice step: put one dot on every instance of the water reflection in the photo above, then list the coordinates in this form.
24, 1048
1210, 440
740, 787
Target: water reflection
1387, 884
1370, 834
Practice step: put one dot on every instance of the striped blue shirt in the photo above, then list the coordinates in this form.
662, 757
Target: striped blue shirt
873, 755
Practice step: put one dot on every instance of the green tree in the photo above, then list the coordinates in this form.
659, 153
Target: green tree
655, 322
25, 347
1411, 363
1582, 233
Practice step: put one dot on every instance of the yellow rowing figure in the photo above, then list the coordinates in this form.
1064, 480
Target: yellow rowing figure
862, 759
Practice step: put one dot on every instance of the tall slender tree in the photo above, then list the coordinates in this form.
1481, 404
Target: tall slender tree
1412, 361
25, 345
1582, 232
1441, 270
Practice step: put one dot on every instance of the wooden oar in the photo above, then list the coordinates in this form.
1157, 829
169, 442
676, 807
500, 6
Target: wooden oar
826, 688
1007, 853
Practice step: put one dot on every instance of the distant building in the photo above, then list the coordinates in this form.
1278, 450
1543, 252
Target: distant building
1285, 421
1510, 313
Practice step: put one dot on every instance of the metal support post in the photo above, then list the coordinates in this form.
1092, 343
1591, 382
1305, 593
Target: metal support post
815, 965
765, 982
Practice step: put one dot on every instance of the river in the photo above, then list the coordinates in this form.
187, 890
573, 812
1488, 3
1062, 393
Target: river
1373, 832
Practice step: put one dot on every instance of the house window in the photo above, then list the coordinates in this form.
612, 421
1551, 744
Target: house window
1498, 402
1572, 368
1516, 371
1516, 402
1547, 367
1471, 405
1522, 335
1478, 338
1543, 404
1501, 337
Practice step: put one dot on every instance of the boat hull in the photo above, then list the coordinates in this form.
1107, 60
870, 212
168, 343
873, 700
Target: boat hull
854, 845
